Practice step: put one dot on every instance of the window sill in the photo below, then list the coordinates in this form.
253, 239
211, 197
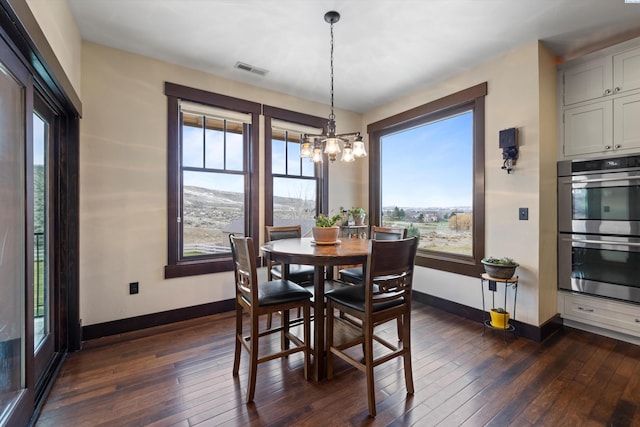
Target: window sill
196, 268
466, 267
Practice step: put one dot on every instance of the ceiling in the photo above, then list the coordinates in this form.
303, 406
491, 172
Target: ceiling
384, 49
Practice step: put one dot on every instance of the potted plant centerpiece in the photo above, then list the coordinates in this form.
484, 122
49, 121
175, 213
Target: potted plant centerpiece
326, 231
500, 268
358, 215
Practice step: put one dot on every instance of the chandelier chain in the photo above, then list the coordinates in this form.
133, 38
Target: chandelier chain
332, 115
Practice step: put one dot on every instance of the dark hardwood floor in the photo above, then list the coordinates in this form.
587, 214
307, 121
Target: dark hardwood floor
180, 375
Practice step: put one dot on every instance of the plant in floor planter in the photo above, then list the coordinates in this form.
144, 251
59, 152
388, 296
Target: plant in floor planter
499, 318
326, 229
358, 215
500, 268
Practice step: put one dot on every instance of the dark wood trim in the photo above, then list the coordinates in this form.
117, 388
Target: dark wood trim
293, 116
174, 92
525, 330
321, 171
195, 268
130, 324
211, 98
32, 44
468, 99
446, 102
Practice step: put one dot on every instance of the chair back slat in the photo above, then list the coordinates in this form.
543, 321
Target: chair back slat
244, 263
386, 233
389, 273
283, 232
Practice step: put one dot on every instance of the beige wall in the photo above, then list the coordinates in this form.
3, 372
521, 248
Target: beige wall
60, 29
123, 157
123, 173
515, 99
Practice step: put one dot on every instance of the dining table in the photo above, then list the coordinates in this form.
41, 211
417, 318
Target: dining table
323, 257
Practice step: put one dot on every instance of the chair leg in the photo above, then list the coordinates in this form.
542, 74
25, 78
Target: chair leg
368, 357
253, 359
269, 320
329, 343
406, 344
284, 334
238, 348
307, 340
400, 328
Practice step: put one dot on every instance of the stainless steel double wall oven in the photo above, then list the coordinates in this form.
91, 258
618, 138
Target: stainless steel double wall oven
599, 227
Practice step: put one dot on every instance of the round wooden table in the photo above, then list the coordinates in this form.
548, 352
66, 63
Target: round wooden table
304, 251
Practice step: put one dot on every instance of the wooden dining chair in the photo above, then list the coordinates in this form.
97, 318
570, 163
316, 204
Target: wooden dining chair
296, 273
355, 275
386, 297
265, 298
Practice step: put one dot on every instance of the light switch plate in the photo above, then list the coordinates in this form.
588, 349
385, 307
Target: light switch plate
523, 214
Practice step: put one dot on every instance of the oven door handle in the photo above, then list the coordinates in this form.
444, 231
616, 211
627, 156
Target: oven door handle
588, 180
602, 242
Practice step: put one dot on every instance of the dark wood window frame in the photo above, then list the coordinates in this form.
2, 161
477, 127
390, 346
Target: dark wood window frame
468, 99
321, 170
175, 266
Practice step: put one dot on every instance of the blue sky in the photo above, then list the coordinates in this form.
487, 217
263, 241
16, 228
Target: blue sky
430, 165
426, 166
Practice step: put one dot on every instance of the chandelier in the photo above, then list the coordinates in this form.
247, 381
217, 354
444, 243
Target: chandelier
312, 146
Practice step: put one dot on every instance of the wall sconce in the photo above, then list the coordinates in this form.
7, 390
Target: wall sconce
509, 145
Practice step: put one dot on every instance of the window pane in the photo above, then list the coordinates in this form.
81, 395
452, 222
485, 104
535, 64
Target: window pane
213, 207
192, 141
293, 140
214, 144
308, 168
294, 198
439, 207
278, 165
235, 152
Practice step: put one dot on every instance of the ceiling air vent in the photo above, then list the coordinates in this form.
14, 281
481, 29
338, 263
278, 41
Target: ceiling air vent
250, 68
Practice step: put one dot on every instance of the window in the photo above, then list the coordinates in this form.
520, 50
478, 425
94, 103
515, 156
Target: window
211, 153
295, 188
439, 146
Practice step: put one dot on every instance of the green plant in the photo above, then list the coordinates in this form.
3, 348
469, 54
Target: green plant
499, 310
357, 211
506, 261
324, 220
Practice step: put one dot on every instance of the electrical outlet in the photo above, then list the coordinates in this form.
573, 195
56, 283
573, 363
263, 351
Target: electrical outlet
523, 214
133, 288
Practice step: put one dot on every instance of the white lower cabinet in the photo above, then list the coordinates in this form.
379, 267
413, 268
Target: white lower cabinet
610, 127
603, 313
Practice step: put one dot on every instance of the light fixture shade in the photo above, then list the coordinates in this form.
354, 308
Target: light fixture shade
317, 154
306, 152
347, 153
358, 148
331, 146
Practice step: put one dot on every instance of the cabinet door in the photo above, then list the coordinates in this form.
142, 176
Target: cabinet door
590, 80
588, 129
626, 71
626, 122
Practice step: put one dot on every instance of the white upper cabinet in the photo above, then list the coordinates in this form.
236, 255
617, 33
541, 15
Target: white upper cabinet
599, 104
591, 80
588, 129
601, 77
626, 71
626, 122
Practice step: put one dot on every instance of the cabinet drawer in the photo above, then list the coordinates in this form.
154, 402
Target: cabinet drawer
608, 314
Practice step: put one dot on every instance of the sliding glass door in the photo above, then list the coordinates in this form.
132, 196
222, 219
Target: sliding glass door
15, 395
44, 310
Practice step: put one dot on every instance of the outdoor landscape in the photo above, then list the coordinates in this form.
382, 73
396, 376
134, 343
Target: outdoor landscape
209, 215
